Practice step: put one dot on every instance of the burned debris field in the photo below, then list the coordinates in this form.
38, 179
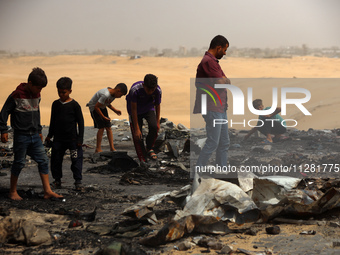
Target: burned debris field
126, 208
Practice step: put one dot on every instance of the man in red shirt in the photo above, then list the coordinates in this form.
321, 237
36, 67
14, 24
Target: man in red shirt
209, 72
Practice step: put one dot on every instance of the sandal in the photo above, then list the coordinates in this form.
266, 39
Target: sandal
265, 141
152, 154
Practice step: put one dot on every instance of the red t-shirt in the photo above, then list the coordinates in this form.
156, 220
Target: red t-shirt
208, 71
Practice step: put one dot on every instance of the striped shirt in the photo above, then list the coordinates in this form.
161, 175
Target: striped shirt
24, 110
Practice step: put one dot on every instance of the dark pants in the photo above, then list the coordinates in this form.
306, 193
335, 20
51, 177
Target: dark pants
151, 137
58, 152
272, 127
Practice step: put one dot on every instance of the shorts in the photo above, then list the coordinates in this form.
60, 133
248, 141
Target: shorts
98, 121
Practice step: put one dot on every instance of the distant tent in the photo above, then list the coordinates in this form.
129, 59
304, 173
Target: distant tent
135, 57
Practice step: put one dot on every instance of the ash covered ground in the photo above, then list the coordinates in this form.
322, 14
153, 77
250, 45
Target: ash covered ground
87, 221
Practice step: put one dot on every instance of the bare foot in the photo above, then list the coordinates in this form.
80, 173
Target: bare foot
14, 196
113, 149
97, 151
51, 194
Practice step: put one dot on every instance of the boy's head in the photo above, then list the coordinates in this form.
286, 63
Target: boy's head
37, 77
150, 83
219, 45
64, 86
64, 83
258, 105
121, 90
37, 80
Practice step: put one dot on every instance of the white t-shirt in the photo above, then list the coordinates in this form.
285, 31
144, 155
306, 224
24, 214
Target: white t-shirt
102, 96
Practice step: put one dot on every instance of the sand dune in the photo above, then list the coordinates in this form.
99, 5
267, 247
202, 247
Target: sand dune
91, 73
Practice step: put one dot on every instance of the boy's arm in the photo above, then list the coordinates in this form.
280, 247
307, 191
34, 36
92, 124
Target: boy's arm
80, 122
52, 124
97, 109
137, 133
158, 115
118, 112
157, 104
40, 127
252, 131
277, 110
7, 109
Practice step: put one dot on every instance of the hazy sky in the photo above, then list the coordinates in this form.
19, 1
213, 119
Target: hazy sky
48, 25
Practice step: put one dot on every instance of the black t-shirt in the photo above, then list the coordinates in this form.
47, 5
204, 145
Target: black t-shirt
67, 122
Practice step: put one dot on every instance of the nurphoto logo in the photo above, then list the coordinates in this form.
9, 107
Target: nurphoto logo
238, 102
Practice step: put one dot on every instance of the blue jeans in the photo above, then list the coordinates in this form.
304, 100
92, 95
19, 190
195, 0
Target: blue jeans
28, 145
217, 140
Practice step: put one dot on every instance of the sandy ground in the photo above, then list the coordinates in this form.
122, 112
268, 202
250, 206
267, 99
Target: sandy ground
91, 73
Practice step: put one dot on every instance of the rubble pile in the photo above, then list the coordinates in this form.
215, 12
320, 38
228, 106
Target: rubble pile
288, 198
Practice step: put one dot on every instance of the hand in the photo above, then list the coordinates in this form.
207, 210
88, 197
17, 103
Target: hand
48, 142
248, 135
118, 112
137, 135
158, 126
41, 137
4, 137
106, 118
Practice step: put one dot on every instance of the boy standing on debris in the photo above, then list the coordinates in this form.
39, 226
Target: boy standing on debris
67, 130
97, 105
23, 106
143, 102
268, 124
